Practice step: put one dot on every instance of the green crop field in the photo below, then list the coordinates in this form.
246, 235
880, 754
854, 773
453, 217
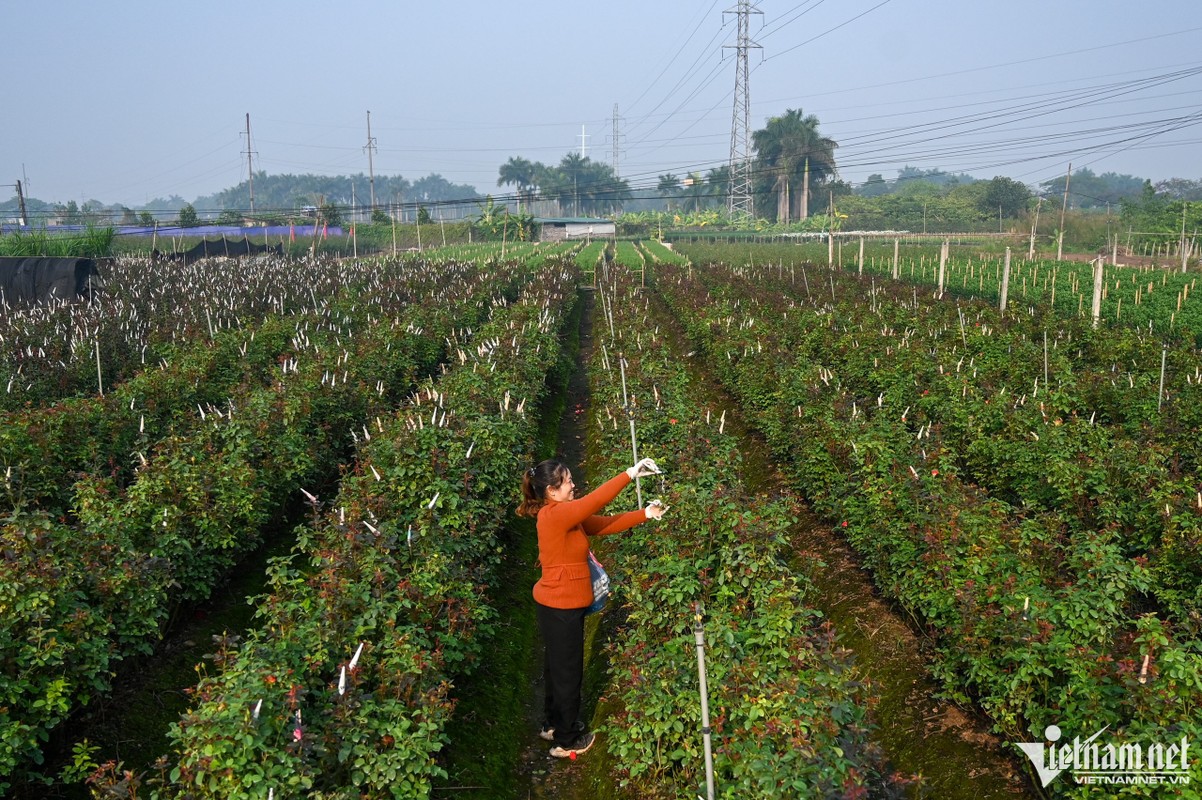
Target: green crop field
1017, 494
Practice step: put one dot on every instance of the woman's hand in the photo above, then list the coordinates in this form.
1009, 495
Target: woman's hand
655, 509
642, 469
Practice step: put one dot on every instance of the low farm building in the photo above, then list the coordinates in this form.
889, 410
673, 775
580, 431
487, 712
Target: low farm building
558, 229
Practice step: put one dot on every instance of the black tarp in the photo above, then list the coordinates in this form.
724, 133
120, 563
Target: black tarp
232, 248
30, 280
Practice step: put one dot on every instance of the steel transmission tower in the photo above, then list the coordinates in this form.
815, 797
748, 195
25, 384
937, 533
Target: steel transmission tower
370, 147
250, 168
741, 203
617, 137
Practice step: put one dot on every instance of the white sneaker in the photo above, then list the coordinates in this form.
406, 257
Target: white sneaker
581, 745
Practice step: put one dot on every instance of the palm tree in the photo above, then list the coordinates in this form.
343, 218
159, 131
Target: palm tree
520, 173
718, 184
790, 144
668, 187
573, 169
694, 191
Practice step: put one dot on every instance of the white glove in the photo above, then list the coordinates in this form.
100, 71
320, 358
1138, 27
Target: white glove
642, 469
655, 509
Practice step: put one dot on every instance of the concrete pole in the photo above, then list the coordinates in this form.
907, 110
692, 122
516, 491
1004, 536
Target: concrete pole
1063, 207
1005, 282
943, 264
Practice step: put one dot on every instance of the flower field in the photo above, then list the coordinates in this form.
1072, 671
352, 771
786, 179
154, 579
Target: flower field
1036, 508
1024, 488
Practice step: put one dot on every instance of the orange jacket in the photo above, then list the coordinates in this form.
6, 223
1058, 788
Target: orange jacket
563, 531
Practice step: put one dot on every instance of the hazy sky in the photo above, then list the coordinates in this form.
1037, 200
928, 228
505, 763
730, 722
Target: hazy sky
127, 101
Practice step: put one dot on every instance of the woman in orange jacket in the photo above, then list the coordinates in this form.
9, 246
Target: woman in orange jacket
565, 590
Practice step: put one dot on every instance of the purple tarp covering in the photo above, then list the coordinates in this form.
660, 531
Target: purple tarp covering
237, 231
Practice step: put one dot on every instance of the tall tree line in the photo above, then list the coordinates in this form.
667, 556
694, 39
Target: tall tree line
579, 185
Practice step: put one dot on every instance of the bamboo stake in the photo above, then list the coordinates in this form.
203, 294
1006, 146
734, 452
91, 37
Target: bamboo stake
634, 446
1164, 352
1034, 226
1045, 357
699, 636
99, 379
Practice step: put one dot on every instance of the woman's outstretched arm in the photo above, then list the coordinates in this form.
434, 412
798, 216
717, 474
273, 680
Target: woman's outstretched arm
574, 512
598, 525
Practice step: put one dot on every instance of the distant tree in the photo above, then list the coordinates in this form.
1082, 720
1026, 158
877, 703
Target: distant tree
668, 187
187, 217
918, 188
128, 217
170, 204
791, 149
836, 189
92, 212
434, 188
331, 214
71, 213
875, 186
1153, 212
423, 216
693, 191
717, 185
1087, 190
1180, 189
521, 174
938, 177
1004, 194
583, 186
379, 216
146, 219
229, 216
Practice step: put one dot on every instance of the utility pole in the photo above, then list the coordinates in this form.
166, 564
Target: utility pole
1034, 227
740, 201
1185, 252
370, 147
250, 170
1063, 206
21, 204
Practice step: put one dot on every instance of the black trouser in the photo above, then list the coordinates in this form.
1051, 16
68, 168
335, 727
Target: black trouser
563, 670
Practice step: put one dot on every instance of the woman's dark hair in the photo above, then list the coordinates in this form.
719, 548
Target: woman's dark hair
536, 480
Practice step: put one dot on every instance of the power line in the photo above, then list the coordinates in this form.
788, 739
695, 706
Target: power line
779, 26
828, 31
672, 60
